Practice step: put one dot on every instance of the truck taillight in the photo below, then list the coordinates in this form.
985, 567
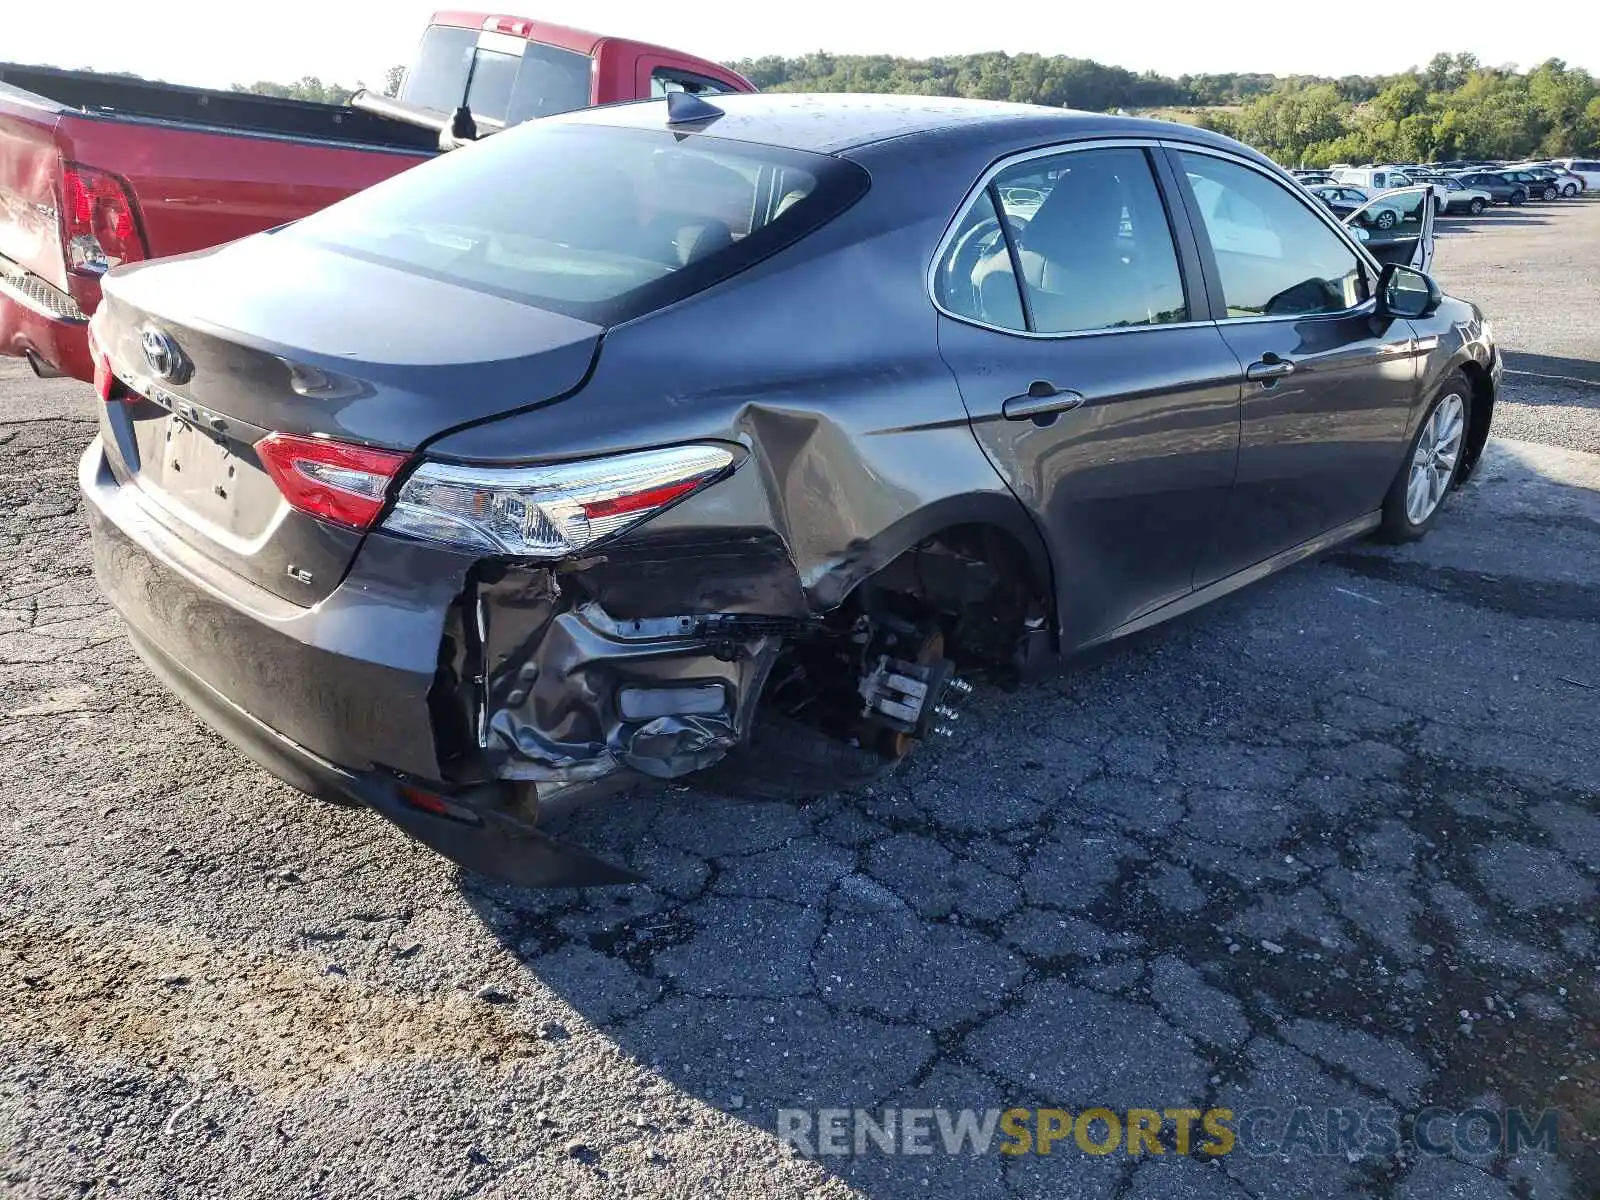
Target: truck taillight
105, 382
336, 481
98, 220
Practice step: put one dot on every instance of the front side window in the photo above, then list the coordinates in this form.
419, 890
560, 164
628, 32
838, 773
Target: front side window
1089, 233
1274, 256
596, 222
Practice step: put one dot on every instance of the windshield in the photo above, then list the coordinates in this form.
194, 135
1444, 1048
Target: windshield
592, 221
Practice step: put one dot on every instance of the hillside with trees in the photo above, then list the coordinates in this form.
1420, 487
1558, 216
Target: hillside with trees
1455, 107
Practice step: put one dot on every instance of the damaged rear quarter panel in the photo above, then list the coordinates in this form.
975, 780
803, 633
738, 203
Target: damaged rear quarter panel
822, 363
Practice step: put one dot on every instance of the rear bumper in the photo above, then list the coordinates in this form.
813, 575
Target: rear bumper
347, 681
336, 699
37, 319
341, 726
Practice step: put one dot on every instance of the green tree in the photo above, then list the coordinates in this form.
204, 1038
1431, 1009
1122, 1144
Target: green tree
308, 87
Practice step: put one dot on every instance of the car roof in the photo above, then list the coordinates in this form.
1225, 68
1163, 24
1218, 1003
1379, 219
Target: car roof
830, 122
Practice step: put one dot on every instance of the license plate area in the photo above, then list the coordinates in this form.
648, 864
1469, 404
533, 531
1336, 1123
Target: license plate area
198, 469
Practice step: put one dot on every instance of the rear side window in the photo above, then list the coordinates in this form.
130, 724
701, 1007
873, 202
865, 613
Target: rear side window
596, 222
1088, 232
670, 79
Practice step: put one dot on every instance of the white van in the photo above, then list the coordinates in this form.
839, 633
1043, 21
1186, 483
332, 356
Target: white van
1372, 179
1588, 169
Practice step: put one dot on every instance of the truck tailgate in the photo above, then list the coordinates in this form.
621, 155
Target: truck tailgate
30, 166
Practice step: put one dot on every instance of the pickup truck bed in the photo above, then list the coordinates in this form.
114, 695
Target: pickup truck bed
101, 169
155, 169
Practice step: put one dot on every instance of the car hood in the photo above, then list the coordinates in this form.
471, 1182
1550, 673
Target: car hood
295, 337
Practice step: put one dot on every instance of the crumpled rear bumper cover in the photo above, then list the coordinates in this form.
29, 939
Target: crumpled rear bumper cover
350, 699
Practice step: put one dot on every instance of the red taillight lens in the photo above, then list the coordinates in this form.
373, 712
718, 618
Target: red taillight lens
332, 480
97, 217
650, 498
104, 381
549, 511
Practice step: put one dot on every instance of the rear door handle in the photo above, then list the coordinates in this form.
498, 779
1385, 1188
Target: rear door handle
1270, 367
1042, 399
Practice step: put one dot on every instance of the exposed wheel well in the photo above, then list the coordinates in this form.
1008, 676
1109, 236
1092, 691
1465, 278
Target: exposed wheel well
1480, 418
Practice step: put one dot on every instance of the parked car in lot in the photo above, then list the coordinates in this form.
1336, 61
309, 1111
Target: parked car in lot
1502, 188
1372, 179
1347, 201
1540, 185
1586, 169
1557, 181
97, 170
480, 486
1454, 196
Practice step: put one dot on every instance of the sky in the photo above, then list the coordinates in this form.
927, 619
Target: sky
212, 43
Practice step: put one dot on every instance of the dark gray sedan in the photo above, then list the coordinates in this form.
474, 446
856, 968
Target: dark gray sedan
667, 438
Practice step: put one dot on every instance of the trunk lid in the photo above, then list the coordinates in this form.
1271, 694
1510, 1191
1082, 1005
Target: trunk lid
218, 349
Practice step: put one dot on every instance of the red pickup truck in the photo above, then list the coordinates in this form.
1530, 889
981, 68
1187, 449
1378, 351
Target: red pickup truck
97, 170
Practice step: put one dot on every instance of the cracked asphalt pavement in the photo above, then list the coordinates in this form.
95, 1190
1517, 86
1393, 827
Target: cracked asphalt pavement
1333, 841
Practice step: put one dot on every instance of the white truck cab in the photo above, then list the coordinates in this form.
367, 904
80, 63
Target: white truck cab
1372, 179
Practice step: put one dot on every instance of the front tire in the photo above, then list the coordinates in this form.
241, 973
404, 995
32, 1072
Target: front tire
1518, 199
1384, 220
1431, 466
1570, 190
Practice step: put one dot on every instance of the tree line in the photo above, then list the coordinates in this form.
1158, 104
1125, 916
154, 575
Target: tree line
1455, 107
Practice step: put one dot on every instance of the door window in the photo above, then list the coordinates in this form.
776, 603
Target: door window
1090, 235
670, 79
1274, 256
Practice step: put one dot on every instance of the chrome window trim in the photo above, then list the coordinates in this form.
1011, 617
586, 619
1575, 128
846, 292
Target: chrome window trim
1054, 150
1341, 231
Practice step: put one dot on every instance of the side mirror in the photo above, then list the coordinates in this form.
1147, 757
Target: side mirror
1406, 292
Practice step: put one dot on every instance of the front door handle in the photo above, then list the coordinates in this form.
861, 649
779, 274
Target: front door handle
1270, 367
1042, 399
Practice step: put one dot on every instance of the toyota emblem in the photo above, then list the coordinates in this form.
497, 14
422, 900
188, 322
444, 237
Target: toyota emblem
161, 353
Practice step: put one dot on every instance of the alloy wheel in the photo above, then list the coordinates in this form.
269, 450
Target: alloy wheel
1433, 464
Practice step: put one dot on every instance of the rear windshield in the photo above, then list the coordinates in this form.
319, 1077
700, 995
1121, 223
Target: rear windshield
596, 222
506, 79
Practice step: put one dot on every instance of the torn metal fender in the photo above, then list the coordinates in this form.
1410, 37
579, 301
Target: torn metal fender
557, 672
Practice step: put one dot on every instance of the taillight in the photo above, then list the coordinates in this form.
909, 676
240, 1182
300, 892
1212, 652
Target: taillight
104, 381
97, 217
335, 481
548, 512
